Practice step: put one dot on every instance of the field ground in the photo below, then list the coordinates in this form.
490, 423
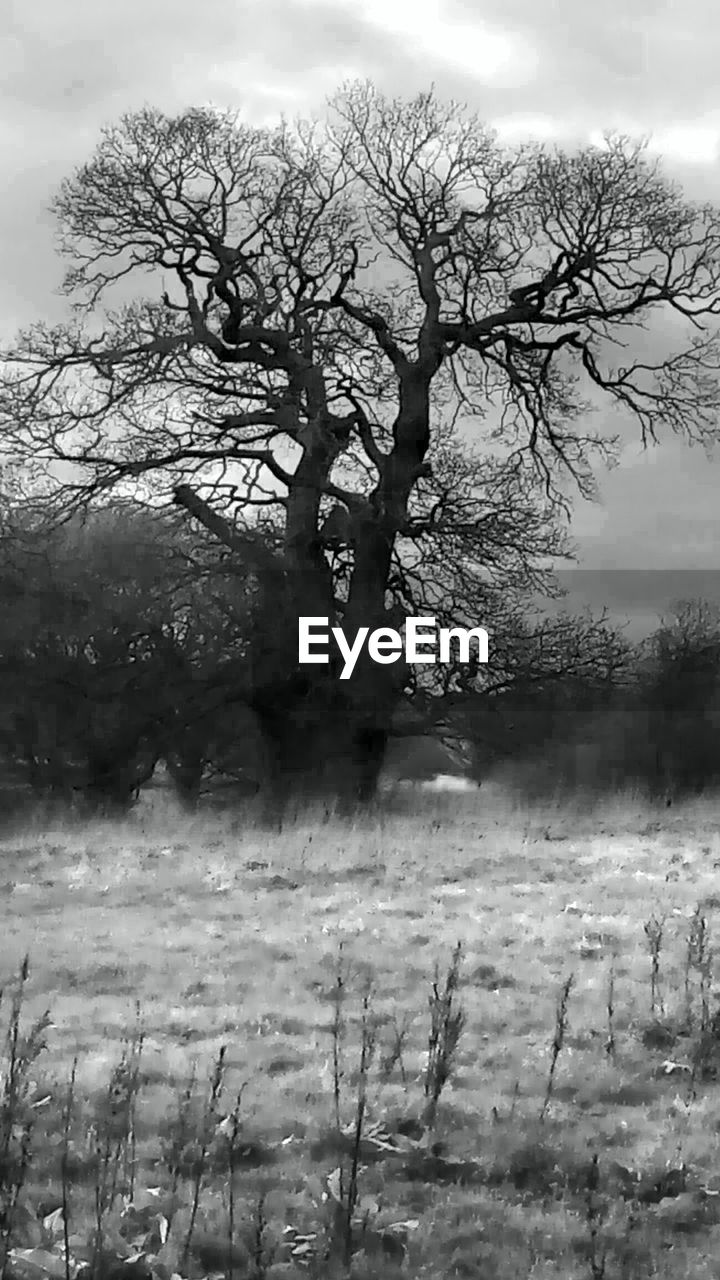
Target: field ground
231, 936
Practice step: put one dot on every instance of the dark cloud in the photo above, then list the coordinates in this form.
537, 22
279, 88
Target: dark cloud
637, 599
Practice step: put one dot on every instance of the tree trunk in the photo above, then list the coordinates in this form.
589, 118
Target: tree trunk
116, 772
337, 761
186, 767
326, 738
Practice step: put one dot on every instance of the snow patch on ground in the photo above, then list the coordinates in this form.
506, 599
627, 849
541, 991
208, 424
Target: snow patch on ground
440, 782
449, 782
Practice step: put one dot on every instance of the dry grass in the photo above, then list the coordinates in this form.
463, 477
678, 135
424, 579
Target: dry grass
264, 942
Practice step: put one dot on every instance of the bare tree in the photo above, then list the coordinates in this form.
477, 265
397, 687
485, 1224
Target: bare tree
324, 303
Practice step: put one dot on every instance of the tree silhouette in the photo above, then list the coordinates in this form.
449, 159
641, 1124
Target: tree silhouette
331, 310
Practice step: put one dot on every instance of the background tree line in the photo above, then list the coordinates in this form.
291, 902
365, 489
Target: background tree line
124, 642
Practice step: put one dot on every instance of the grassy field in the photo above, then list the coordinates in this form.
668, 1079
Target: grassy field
576, 1135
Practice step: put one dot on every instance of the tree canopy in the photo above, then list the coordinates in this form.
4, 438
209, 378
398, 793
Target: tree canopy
364, 352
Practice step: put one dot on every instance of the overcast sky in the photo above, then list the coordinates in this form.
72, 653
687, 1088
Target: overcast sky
550, 68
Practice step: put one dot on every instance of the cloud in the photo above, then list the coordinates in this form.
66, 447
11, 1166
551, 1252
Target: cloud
550, 71
659, 510
642, 60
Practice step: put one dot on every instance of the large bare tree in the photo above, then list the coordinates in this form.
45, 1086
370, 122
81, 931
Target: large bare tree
292, 332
